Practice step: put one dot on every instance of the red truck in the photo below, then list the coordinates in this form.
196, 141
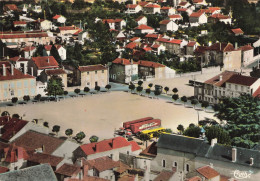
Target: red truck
139, 126
127, 124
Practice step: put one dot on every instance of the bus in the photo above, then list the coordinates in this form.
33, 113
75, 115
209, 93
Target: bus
150, 132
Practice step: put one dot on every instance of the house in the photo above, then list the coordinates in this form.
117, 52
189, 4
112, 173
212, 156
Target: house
20, 63
115, 24
232, 58
166, 175
61, 51
150, 38
191, 47
22, 24
199, 18
174, 46
69, 171
167, 10
47, 74
141, 29
237, 32
38, 64
14, 83
158, 49
168, 25
184, 10
91, 76
133, 8
208, 173
151, 8
184, 4
42, 172
210, 11
123, 71
143, 3
110, 148
147, 69
44, 24
29, 51
175, 17
200, 3
221, 18
141, 20
187, 159
247, 52
10, 8
65, 30
226, 84
105, 168
59, 19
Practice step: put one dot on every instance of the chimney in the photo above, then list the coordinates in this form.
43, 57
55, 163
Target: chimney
211, 165
235, 45
234, 154
43, 148
48, 60
4, 70
32, 71
12, 69
20, 56
213, 142
251, 161
85, 170
220, 78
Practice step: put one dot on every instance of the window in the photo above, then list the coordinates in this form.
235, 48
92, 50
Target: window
242, 88
187, 167
174, 164
236, 87
163, 163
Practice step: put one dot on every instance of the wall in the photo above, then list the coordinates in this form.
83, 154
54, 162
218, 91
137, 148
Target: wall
232, 60
117, 73
89, 78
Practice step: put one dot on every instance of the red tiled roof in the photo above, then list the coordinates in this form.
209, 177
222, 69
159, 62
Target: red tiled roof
58, 46
149, 64
12, 7
151, 150
147, 49
155, 46
105, 145
217, 47
45, 158
182, 9
123, 61
139, 18
197, 1
131, 6
191, 44
3, 169
216, 79
214, 8
196, 14
152, 36
165, 8
77, 32
164, 175
175, 16
45, 62
200, 49
207, 172
196, 178
237, 31
144, 27
19, 34
14, 153
17, 74
152, 6
91, 68
224, 178
220, 16
162, 40
32, 140
55, 72
11, 126
127, 178
68, 170
175, 41
47, 47
18, 59
246, 48
183, 3
56, 17
64, 28
242, 80
131, 45
20, 23
143, 3
164, 22
28, 48
229, 48
134, 38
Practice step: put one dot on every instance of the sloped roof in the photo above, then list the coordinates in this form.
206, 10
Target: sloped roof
45, 158
196, 14
55, 72
207, 172
19, 34
152, 6
217, 47
143, 3
216, 79
195, 178
165, 175
64, 28
257, 92
149, 64
246, 48
237, 31
20, 22
68, 169
135, 146
175, 16
197, 1
56, 16
135, 38
164, 22
166, 8
151, 150
153, 36
11, 153
144, 27
48, 47
12, 7
123, 61
91, 68
131, 45
131, 6
242, 80
175, 41
182, 9
183, 3
45, 62
18, 59
101, 163
139, 18
191, 44
220, 16
3, 169
28, 48
229, 48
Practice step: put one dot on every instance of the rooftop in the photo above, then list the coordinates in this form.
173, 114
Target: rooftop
144, 27
207, 172
68, 170
237, 31
242, 80
55, 72
45, 62
123, 61
149, 64
45, 158
220, 79
165, 175
91, 68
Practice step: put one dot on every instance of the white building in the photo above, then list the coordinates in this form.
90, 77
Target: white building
199, 18
168, 25
143, 29
59, 19
247, 55
133, 8
151, 8
141, 20
45, 25
168, 10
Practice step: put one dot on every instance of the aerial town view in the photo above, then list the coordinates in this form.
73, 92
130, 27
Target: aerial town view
130, 90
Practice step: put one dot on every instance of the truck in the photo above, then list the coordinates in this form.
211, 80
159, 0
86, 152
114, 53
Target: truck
140, 126
126, 125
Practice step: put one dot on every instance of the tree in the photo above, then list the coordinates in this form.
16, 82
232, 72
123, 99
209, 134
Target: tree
5, 113
97, 88
205, 104
131, 87
93, 139
194, 102
77, 91
46, 124
139, 89
157, 93
193, 131
191, 125
156, 135
168, 130
108, 86
148, 91
78, 4
180, 128
38, 97
54, 52
54, 86
26, 98
86, 89
175, 97
56, 129
140, 83
65, 93
150, 85
219, 133
175, 90
184, 99
144, 138
16, 116
166, 89
80, 136
69, 132
14, 100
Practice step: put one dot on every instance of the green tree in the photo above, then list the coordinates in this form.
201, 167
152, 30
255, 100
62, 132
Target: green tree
140, 83
184, 99
65, 93
144, 138
69, 132
166, 89
148, 91
219, 133
131, 87
175, 97
156, 135
97, 88
150, 85
139, 89
175, 90
26, 98
157, 93
16, 116
180, 128
80, 136
77, 91
205, 104
54, 86
14, 100
78, 4
194, 102
93, 139
46, 124
192, 131
56, 129
86, 89
5, 113
108, 86
38, 97
54, 52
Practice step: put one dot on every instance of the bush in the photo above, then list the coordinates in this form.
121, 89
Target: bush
77, 91
14, 100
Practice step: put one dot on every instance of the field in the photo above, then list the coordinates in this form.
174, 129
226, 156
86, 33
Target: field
102, 113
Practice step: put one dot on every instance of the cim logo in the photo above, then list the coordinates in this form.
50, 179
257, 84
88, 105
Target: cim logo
148, 125
242, 174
